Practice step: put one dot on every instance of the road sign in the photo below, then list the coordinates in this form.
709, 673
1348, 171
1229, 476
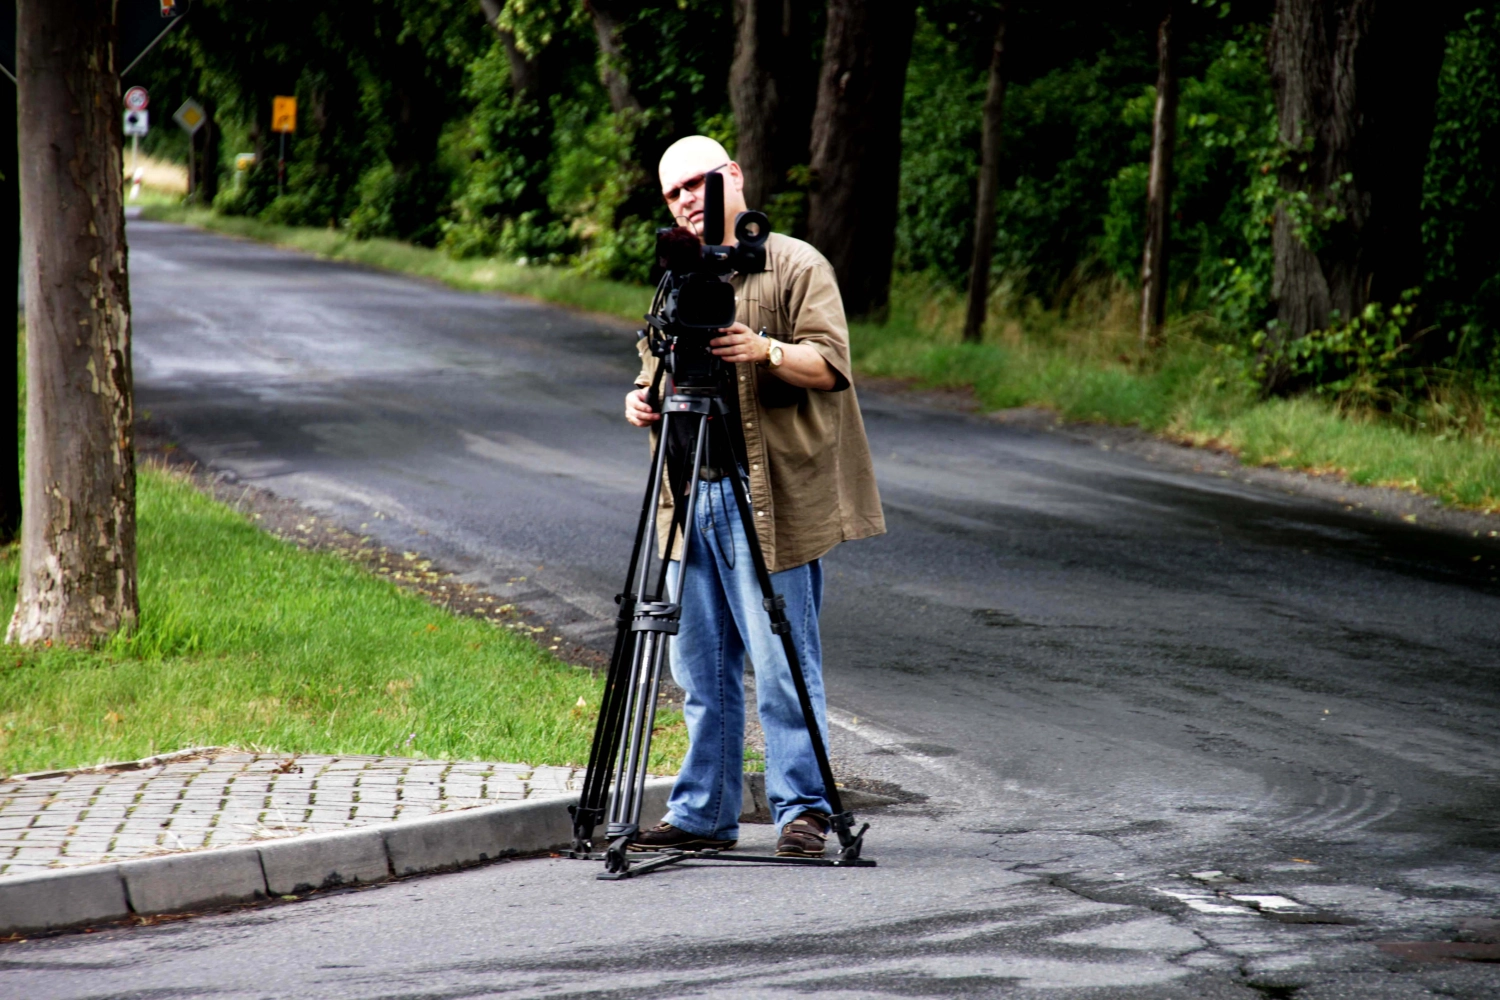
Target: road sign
191, 116
136, 99
284, 114
137, 122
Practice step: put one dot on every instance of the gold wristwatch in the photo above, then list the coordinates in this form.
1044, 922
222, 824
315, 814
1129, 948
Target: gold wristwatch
774, 352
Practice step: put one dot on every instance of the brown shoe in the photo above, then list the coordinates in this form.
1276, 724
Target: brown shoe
665, 836
803, 837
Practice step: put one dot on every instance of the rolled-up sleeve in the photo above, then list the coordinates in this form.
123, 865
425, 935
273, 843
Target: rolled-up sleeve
817, 309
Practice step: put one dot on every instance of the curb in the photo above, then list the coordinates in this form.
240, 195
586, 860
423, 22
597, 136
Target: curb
247, 873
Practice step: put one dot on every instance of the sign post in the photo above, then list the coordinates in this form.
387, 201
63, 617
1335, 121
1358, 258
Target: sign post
191, 117
137, 124
283, 120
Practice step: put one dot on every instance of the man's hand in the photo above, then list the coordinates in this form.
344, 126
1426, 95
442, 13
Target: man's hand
740, 343
637, 411
801, 364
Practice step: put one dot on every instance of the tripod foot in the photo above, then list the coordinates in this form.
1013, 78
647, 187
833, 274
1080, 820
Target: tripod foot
851, 843
617, 857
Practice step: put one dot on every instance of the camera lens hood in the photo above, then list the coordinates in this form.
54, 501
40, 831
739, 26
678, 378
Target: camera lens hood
752, 229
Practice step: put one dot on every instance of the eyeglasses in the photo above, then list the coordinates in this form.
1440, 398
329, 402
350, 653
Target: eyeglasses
690, 185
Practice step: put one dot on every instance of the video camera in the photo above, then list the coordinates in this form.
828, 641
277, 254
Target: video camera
694, 299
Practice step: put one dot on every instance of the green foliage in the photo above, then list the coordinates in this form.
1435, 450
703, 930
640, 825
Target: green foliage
1360, 359
411, 128
1065, 135
939, 157
1461, 194
1224, 187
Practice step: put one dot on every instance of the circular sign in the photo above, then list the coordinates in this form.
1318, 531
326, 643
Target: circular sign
136, 99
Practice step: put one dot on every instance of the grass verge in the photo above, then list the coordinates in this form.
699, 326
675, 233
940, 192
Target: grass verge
1087, 369
1090, 372
247, 640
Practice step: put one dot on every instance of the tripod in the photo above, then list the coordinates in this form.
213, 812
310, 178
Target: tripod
622, 735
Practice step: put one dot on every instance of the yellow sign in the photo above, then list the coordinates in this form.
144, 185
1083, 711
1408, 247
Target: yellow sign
191, 116
284, 114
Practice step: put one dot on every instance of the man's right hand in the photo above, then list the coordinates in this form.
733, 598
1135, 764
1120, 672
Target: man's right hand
637, 411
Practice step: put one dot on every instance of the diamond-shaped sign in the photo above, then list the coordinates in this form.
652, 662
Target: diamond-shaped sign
190, 116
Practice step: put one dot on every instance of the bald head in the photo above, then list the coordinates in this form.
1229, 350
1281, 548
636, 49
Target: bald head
682, 169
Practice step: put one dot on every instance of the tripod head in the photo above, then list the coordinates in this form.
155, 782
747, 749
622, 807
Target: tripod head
694, 299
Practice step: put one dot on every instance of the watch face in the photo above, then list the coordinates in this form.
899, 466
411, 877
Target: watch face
775, 355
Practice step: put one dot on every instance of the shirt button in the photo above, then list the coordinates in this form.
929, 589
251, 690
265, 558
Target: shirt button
754, 468
749, 423
742, 378
760, 513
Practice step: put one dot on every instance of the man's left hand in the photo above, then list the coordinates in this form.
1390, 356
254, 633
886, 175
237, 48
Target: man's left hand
740, 343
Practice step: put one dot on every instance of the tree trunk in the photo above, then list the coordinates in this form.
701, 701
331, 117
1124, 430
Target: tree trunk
525, 70
1159, 190
77, 579
10, 264
208, 159
192, 168
1356, 85
988, 188
772, 83
856, 146
609, 23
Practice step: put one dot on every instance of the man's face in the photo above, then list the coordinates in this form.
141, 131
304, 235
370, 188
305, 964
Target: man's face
684, 188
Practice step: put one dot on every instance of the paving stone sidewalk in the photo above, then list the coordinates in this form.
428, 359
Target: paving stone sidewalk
218, 797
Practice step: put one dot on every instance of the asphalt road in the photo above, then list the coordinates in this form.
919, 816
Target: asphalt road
1104, 676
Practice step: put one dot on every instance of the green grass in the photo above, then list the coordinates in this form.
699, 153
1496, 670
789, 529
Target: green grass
250, 641
1087, 368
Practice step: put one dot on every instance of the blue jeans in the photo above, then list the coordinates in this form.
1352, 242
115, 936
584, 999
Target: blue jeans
722, 620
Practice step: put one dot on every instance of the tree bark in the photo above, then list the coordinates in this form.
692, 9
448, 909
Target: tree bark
856, 146
772, 85
1356, 86
609, 24
10, 264
988, 189
1159, 189
78, 570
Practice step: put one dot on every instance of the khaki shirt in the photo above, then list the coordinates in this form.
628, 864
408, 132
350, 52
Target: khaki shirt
812, 483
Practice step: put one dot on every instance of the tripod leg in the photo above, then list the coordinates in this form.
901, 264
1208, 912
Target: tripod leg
775, 605
589, 812
653, 620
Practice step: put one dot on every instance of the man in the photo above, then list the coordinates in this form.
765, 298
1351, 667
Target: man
798, 431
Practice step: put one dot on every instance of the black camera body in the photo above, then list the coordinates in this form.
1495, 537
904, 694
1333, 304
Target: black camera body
695, 299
